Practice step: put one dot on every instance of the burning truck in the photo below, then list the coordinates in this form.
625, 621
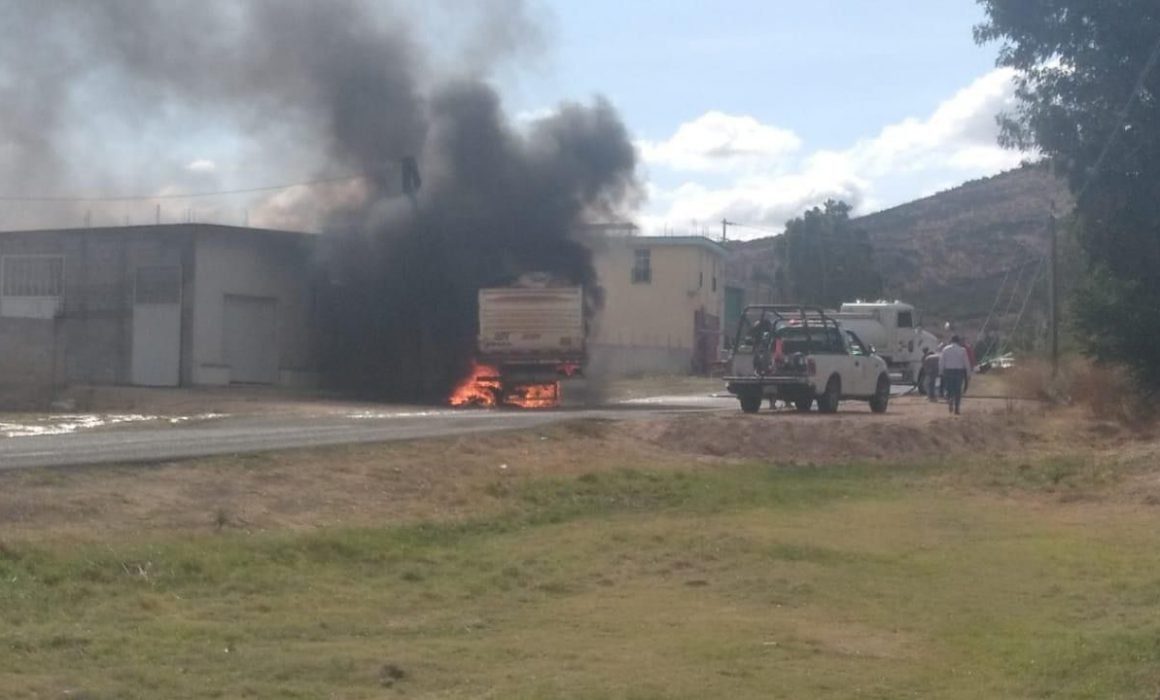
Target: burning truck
531, 335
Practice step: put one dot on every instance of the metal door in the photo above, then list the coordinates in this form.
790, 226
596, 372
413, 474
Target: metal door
864, 367
156, 350
250, 339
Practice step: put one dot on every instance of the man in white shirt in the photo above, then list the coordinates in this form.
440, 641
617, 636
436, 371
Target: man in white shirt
954, 365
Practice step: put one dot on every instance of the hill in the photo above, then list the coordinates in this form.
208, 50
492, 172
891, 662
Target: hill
950, 254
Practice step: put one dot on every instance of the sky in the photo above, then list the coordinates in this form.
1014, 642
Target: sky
749, 110
754, 110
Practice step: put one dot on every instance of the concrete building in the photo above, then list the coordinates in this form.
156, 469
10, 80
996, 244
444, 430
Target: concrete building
169, 305
663, 303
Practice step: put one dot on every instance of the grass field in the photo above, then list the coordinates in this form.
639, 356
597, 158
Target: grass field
948, 579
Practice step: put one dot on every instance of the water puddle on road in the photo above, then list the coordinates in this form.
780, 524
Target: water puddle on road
71, 423
379, 415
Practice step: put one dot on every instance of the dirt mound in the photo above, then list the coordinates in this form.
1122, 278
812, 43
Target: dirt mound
817, 438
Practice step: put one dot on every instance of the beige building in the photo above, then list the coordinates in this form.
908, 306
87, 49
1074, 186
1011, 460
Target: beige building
663, 303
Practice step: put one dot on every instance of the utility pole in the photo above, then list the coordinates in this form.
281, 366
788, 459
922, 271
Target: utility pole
724, 230
1053, 293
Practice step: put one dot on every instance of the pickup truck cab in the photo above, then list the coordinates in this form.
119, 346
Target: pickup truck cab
799, 355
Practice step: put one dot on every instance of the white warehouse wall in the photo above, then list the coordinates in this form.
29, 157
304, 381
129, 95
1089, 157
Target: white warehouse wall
254, 264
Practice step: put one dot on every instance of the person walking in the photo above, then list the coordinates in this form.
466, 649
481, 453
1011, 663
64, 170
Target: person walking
930, 374
955, 366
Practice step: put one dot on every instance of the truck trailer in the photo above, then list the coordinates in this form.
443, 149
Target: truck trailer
531, 335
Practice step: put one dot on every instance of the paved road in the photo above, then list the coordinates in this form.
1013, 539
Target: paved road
252, 433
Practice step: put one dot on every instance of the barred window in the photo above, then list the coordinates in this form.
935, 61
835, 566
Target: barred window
642, 266
157, 285
40, 276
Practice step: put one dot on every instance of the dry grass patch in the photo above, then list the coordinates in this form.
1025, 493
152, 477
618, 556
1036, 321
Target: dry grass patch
334, 486
457, 478
1105, 392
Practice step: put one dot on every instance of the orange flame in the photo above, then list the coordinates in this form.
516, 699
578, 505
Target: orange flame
481, 388
534, 395
484, 387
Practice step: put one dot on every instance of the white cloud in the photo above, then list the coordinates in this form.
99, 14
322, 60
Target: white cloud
770, 183
202, 165
717, 141
766, 201
529, 116
959, 134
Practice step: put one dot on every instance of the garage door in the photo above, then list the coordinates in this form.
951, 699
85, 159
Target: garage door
250, 335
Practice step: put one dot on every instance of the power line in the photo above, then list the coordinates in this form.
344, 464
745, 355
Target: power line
994, 306
189, 195
1015, 287
754, 227
1018, 319
1153, 58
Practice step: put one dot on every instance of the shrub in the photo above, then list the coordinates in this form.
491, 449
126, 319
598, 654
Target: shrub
1107, 391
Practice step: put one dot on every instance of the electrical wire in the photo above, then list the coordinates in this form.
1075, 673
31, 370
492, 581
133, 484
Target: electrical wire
1015, 289
1026, 298
753, 226
188, 195
994, 306
1153, 59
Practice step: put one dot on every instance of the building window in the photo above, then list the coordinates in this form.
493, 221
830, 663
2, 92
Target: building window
642, 266
33, 275
31, 286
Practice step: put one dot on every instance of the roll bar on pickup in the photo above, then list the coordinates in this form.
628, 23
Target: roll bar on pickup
788, 314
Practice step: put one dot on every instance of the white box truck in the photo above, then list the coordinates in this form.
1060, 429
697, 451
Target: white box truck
531, 335
892, 328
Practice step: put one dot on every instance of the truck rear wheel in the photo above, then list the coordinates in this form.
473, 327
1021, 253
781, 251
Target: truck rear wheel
881, 398
803, 403
828, 401
750, 402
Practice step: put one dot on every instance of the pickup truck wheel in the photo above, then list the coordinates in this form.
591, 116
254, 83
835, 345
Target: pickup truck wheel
803, 404
750, 402
881, 398
828, 401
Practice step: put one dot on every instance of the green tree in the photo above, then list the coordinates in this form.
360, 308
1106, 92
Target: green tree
1088, 89
824, 259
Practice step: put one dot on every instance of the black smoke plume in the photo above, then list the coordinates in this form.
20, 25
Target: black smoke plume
500, 202
326, 88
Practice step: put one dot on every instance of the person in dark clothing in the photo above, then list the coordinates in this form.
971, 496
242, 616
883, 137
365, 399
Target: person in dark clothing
930, 375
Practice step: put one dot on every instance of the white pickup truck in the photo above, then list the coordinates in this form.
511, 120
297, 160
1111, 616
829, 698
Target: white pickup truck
800, 354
